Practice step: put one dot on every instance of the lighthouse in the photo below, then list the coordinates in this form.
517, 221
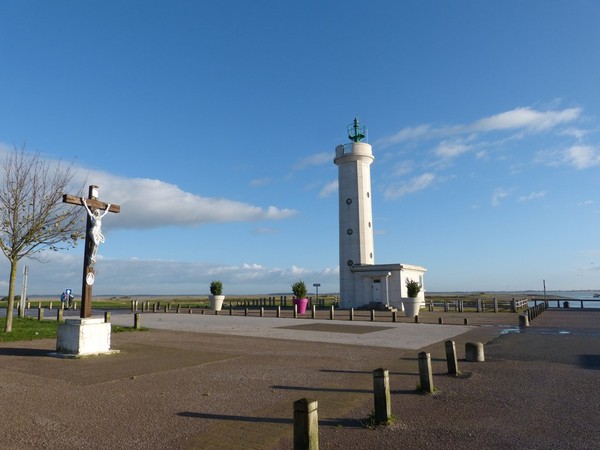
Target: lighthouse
362, 282
354, 161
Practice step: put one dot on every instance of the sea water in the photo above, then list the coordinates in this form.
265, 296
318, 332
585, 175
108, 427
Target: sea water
591, 301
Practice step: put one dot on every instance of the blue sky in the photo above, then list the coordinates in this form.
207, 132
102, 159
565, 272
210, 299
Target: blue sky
214, 126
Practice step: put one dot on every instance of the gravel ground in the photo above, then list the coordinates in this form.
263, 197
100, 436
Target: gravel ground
173, 389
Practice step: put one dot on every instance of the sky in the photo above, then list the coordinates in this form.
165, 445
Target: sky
214, 125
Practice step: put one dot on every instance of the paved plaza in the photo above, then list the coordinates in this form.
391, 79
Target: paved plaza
220, 382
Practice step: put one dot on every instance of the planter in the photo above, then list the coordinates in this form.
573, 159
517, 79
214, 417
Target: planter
301, 304
216, 302
411, 306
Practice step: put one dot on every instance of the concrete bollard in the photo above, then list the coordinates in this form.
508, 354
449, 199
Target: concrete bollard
381, 396
306, 425
154, 307
50, 305
440, 321
106, 316
416, 319
394, 316
40, 313
246, 312
190, 311
466, 321
425, 373
351, 314
262, 311
523, 320
451, 358
60, 315
74, 306
278, 311
137, 321
166, 308
495, 300
474, 352
132, 305
178, 309
313, 312
295, 311
372, 315
446, 307
332, 313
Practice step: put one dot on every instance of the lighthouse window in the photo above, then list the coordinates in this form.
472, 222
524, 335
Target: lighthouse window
350, 262
348, 201
369, 224
349, 231
371, 255
368, 195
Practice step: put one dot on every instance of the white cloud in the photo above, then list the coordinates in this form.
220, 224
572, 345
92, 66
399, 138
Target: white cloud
413, 185
449, 149
499, 194
148, 203
526, 118
407, 134
522, 118
582, 156
317, 159
258, 182
329, 189
532, 196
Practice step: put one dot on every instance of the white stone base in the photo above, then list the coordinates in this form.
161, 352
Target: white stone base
82, 337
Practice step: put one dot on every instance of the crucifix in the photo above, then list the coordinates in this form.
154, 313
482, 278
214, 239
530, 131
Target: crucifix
96, 210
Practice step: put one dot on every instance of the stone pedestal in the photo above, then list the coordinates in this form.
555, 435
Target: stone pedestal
82, 337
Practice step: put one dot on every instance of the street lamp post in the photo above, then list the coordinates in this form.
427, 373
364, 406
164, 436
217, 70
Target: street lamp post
317, 285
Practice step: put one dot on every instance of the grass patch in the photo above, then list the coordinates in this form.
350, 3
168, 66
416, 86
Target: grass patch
28, 329
372, 423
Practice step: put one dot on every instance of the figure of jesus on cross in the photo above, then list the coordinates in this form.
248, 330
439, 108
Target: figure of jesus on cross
93, 237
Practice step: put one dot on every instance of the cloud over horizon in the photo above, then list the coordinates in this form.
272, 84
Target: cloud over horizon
150, 203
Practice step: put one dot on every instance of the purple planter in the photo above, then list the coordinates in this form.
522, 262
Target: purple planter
301, 304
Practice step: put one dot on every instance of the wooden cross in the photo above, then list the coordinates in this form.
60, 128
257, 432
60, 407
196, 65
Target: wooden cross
93, 204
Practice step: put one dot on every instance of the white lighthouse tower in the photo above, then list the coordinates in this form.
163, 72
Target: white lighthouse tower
362, 282
356, 217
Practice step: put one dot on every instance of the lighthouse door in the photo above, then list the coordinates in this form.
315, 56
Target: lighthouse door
376, 291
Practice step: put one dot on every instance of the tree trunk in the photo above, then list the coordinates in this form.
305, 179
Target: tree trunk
11, 295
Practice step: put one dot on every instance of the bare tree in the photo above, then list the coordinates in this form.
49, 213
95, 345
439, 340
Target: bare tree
32, 215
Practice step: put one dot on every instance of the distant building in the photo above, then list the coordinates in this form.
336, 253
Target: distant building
363, 282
